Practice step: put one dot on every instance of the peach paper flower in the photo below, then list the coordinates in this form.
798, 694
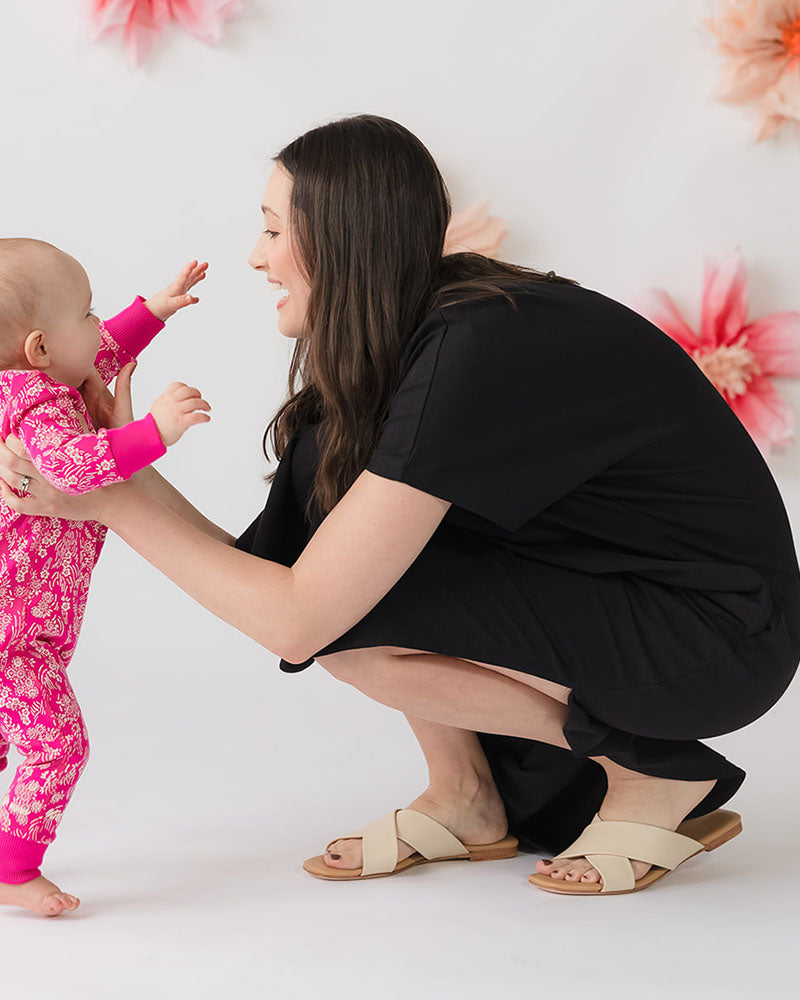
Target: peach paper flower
736, 356
760, 40
143, 20
474, 229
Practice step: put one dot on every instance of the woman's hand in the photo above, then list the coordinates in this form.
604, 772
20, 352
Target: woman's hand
43, 499
105, 409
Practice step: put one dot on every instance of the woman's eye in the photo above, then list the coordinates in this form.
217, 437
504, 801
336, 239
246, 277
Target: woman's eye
270, 232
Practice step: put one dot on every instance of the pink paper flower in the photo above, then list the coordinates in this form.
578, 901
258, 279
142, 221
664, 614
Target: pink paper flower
143, 20
474, 229
760, 40
736, 356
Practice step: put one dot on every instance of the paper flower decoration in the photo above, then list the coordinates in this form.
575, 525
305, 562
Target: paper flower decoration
474, 229
736, 356
143, 20
760, 40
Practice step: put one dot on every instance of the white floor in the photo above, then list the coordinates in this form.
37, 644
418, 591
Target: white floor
165, 919
213, 775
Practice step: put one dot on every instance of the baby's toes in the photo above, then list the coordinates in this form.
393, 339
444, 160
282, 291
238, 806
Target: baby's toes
67, 901
53, 905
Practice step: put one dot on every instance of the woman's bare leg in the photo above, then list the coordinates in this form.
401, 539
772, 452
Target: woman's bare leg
446, 700
461, 793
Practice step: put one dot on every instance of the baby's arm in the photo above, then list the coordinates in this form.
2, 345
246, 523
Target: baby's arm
44, 415
124, 337
127, 334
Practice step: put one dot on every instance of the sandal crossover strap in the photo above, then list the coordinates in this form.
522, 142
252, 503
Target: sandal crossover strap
425, 834
609, 846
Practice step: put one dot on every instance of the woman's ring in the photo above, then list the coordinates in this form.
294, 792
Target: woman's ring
25, 483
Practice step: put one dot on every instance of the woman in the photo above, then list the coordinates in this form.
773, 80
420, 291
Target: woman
508, 507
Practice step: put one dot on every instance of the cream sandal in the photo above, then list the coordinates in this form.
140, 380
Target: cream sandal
609, 844
431, 841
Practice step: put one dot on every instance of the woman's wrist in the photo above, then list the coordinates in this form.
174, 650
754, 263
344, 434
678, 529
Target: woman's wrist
144, 479
110, 502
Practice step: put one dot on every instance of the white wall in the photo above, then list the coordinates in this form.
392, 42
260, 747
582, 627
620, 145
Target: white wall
593, 130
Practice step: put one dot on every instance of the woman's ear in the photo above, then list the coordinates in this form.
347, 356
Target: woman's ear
35, 349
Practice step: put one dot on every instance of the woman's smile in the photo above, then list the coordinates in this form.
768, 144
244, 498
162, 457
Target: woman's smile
277, 286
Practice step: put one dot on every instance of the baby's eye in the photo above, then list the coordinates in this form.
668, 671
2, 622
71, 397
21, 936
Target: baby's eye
270, 232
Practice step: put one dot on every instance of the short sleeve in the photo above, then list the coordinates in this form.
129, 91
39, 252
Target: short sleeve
503, 411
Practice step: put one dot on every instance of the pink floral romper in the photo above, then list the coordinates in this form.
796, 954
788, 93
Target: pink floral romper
45, 567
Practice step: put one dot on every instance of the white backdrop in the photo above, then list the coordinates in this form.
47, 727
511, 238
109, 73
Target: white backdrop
592, 129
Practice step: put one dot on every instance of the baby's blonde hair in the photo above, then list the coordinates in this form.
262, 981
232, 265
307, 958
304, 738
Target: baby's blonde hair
23, 267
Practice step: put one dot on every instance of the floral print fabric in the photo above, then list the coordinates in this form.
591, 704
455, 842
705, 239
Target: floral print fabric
45, 568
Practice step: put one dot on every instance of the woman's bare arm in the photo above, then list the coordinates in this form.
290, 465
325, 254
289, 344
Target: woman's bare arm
362, 548
155, 486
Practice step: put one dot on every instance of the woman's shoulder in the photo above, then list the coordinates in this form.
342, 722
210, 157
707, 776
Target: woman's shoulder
548, 319
531, 299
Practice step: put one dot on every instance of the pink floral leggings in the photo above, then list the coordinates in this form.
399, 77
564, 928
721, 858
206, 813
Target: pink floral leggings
40, 717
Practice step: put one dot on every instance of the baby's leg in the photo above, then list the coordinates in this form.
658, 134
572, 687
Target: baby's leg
41, 719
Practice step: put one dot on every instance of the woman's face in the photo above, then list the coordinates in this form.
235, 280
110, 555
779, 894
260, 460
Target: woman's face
274, 255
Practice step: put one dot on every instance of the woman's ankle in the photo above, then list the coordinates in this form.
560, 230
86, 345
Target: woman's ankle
466, 787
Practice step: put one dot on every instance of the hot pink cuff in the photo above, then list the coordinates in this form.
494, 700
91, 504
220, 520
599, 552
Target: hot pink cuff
134, 327
135, 445
19, 859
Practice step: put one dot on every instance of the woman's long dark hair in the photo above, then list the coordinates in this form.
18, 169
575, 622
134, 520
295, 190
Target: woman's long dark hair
368, 212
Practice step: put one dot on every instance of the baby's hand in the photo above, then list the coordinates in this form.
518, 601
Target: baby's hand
175, 296
175, 411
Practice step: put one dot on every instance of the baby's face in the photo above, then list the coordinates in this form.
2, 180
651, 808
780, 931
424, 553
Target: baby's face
71, 331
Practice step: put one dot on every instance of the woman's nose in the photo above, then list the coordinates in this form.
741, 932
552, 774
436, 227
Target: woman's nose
257, 256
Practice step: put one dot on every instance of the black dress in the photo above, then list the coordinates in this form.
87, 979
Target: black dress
613, 528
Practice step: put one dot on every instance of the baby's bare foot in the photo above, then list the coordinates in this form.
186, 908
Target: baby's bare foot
39, 895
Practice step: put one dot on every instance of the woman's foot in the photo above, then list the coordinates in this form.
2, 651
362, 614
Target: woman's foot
39, 895
475, 817
639, 798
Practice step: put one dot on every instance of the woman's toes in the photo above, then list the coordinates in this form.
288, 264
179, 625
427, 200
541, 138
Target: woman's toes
577, 869
593, 875
349, 854
572, 870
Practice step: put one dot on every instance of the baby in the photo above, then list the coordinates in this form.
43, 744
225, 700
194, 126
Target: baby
50, 344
